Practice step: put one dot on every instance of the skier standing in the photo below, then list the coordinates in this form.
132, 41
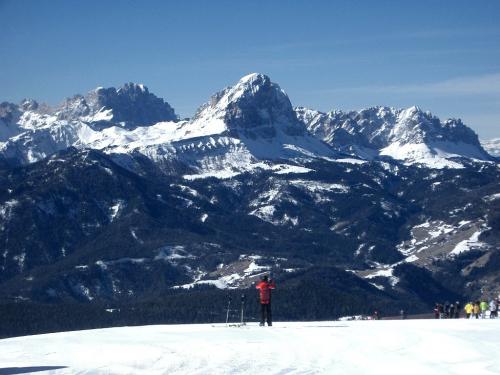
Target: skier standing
403, 314
493, 309
457, 310
441, 310
265, 287
451, 314
436, 311
446, 310
476, 310
484, 307
469, 309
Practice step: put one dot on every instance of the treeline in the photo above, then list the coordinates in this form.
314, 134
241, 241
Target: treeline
317, 295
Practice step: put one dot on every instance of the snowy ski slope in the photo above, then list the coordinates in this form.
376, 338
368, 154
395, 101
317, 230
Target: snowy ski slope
356, 347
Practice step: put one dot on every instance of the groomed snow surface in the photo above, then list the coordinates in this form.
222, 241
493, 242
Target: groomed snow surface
356, 347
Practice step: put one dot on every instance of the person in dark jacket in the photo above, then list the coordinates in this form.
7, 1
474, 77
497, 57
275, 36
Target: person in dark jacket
265, 286
451, 315
436, 311
457, 310
446, 310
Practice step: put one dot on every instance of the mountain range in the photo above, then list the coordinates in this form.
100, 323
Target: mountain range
111, 197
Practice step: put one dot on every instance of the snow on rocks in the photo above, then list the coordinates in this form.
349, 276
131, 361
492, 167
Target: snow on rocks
409, 135
349, 161
319, 187
237, 274
7, 207
388, 273
173, 253
268, 214
432, 240
420, 154
492, 197
116, 209
466, 245
435, 239
287, 169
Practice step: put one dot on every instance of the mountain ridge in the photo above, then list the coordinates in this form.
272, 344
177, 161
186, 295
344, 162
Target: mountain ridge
253, 108
254, 114
409, 135
249, 185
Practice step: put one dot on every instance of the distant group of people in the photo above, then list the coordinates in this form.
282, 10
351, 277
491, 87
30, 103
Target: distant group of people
447, 310
481, 309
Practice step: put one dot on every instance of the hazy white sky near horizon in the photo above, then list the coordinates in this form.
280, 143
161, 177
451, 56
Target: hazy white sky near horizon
442, 56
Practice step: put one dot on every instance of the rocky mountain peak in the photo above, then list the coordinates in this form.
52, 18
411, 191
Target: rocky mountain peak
253, 107
8, 112
9, 115
409, 134
29, 105
416, 126
130, 106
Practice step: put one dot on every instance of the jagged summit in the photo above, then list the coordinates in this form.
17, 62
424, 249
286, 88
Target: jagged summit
254, 115
254, 107
129, 106
407, 134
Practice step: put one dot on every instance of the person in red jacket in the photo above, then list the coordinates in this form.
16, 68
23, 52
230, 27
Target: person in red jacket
265, 286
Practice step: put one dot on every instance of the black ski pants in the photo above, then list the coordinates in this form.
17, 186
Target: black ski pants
266, 314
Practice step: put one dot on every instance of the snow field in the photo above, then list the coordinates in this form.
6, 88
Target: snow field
355, 347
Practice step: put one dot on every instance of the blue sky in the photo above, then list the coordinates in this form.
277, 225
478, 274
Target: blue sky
443, 56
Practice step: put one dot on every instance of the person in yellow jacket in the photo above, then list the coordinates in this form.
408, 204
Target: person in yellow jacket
469, 308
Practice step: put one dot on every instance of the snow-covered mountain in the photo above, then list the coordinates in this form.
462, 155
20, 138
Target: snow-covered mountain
409, 135
492, 146
109, 193
128, 107
30, 132
241, 128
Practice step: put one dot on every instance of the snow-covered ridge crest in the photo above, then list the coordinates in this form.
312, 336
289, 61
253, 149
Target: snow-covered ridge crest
245, 127
235, 131
129, 106
410, 135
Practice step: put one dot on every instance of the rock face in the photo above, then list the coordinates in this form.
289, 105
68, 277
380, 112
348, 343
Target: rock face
9, 116
255, 107
129, 107
109, 197
409, 135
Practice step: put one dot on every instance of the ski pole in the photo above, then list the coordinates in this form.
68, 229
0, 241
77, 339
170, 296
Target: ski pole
228, 306
243, 300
